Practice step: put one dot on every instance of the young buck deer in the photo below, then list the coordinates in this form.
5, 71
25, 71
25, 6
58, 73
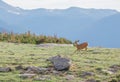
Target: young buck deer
80, 46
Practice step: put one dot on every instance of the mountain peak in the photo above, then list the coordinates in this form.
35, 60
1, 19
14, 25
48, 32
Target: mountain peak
3, 4
99, 25
8, 8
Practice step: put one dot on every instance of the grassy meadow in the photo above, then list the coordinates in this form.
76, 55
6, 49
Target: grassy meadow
99, 64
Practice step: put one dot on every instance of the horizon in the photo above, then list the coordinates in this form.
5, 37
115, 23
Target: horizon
64, 4
88, 24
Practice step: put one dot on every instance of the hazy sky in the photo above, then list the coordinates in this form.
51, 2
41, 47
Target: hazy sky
60, 4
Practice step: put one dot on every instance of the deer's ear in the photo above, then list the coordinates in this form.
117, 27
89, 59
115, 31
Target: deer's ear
75, 41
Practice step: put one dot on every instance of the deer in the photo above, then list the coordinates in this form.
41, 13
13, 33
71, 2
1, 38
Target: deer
80, 46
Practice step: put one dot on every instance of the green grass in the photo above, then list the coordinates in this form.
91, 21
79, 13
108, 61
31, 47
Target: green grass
95, 60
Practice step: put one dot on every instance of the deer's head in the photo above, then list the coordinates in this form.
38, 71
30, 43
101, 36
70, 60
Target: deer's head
75, 43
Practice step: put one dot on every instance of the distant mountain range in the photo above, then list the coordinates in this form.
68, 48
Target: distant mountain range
100, 27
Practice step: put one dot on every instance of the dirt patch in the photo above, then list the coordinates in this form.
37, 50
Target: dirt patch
52, 45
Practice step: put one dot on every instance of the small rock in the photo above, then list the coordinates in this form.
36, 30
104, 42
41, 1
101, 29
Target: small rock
6, 69
43, 70
84, 74
111, 71
69, 77
25, 75
55, 72
104, 71
38, 70
114, 68
19, 67
90, 80
42, 78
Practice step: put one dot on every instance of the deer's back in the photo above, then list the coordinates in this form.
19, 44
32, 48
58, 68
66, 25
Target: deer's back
82, 45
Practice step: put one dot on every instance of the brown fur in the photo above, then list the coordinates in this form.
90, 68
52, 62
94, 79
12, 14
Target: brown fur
80, 46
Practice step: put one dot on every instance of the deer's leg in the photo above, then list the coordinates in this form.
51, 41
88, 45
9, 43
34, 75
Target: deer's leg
75, 51
86, 49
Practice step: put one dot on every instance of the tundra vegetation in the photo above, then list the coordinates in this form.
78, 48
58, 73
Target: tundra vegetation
94, 65
31, 38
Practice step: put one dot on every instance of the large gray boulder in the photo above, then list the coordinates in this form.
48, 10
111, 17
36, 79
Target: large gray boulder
60, 63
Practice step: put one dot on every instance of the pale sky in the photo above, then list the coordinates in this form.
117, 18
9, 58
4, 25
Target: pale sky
61, 4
